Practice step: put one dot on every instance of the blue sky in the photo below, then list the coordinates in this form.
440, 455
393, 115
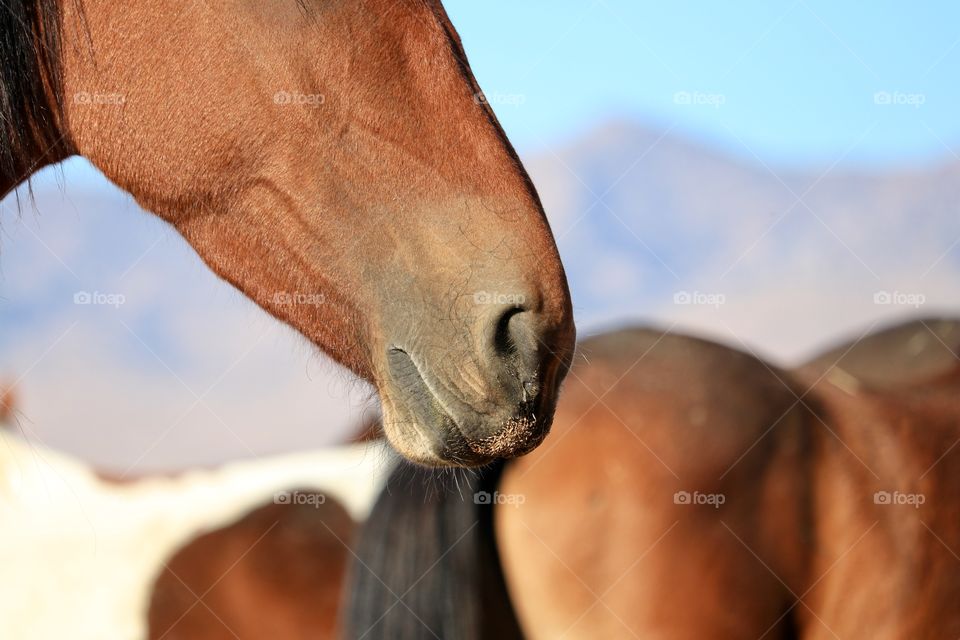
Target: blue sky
792, 82
786, 82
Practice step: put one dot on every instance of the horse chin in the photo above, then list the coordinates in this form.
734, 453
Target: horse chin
442, 445
421, 429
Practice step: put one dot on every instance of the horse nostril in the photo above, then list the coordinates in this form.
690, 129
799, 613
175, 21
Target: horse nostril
504, 342
516, 350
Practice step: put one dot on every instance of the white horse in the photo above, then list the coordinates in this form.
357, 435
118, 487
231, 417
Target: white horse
79, 554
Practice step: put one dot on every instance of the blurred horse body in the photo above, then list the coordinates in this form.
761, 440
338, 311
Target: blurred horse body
691, 490
277, 572
8, 404
86, 558
886, 486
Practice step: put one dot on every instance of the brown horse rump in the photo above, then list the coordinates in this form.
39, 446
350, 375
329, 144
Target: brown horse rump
690, 490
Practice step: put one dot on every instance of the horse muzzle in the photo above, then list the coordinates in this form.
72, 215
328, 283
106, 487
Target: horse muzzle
443, 408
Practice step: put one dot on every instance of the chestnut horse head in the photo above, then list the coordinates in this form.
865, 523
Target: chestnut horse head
336, 163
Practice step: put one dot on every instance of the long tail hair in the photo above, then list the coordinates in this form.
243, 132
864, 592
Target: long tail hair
427, 564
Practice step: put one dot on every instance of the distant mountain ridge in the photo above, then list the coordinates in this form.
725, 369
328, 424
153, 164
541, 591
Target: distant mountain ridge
677, 216
686, 237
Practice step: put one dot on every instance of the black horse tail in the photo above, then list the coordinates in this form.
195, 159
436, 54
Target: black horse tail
427, 564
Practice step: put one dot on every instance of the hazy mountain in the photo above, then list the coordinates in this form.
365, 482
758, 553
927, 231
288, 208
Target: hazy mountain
127, 350
184, 370
795, 256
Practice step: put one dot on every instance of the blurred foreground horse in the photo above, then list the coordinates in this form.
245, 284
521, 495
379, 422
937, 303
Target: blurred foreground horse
8, 403
694, 491
193, 556
334, 161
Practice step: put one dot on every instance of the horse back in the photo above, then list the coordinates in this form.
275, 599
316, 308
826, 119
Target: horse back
917, 352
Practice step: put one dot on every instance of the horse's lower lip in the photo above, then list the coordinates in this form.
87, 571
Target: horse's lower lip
449, 442
434, 421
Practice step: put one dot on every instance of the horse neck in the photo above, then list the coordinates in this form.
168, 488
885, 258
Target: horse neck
31, 96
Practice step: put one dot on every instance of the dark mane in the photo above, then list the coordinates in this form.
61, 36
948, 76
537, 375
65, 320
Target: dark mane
31, 88
427, 564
